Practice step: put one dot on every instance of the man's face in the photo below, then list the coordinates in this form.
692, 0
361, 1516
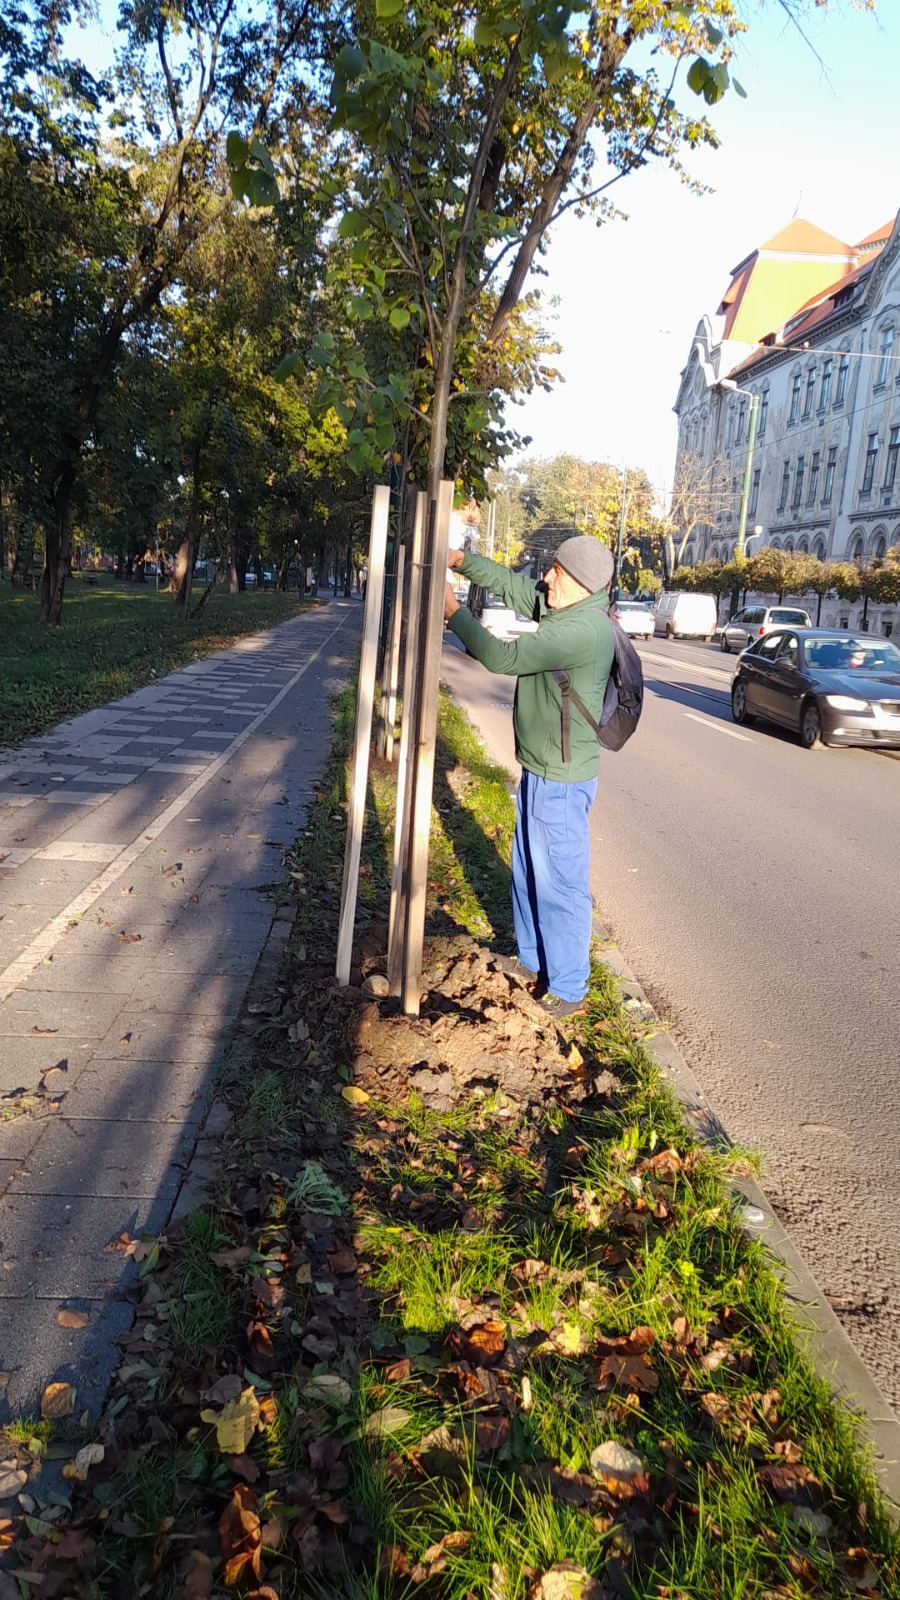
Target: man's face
562, 589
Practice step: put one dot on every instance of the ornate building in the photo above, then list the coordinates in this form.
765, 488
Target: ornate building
812, 326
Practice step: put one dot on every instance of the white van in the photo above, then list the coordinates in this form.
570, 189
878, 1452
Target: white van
686, 616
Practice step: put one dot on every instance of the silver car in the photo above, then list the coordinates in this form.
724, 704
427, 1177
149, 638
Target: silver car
754, 622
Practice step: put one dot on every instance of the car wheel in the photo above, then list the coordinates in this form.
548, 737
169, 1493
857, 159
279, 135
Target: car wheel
739, 703
725, 646
811, 726
668, 630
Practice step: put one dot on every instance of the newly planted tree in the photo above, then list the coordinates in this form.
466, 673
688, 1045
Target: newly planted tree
474, 128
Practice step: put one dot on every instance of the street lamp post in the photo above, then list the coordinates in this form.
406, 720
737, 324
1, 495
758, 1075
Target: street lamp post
727, 383
623, 512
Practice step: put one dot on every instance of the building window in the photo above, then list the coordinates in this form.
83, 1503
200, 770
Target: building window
795, 400
843, 374
819, 550
880, 548
869, 468
810, 391
798, 484
785, 485
729, 428
754, 493
830, 465
825, 391
813, 477
858, 551
742, 411
893, 450
884, 364
763, 414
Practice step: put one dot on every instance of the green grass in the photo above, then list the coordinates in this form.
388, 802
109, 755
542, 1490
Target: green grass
112, 640
201, 1310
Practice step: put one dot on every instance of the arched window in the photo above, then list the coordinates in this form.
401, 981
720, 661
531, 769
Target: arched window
879, 546
689, 556
858, 550
803, 548
776, 544
819, 550
789, 546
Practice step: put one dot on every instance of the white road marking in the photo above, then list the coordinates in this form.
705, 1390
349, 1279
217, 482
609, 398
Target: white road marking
694, 666
709, 722
41, 946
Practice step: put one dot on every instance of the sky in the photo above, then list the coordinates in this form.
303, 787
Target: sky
819, 144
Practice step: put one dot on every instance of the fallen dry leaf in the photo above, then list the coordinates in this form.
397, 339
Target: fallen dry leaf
354, 1096
236, 1424
196, 1577
232, 1257
89, 1456
399, 1371
12, 1479
68, 1318
567, 1581
129, 938
42, 1033
57, 1401
240, 1536
343, 1262
483, 1345
223, 1390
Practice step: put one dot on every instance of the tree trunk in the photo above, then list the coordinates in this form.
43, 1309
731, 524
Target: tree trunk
187, 554
258, 569
819, 610
864, 623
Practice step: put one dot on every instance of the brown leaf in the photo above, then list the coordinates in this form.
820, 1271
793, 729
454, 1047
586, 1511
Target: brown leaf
343, 1262
196, 1577
262, 1354
41, 1033
628, 1372
482, 1345
223, 1390
268, 1291
68, 1318
567, 1581
240, 1535
789, 1480
129, 938
243, 1467
7, 1540
399, 1371
232, 1257
492, 1433
57, 1401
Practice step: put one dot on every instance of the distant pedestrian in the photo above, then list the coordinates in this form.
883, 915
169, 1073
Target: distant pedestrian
551, 859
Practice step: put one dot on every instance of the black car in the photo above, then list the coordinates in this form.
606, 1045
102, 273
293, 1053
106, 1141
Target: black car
830, 687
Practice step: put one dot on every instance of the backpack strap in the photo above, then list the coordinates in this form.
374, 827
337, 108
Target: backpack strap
565, 690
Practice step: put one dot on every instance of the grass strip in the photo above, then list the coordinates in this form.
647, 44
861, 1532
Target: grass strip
113, 641
514, 1346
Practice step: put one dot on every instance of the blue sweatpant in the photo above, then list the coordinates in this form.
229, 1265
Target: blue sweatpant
551, 864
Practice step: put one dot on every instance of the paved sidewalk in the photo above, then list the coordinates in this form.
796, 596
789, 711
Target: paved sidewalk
138, 844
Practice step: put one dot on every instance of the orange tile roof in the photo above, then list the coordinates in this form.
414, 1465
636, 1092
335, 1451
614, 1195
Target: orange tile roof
805, 238
880, 236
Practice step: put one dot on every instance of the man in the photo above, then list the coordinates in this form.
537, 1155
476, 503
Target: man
551, 856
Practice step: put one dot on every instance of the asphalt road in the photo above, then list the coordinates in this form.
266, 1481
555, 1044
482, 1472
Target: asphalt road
754, 889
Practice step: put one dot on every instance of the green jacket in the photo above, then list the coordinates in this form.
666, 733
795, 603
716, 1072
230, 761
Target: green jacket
578, 640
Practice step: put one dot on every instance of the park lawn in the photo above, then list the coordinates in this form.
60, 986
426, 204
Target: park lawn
113, 640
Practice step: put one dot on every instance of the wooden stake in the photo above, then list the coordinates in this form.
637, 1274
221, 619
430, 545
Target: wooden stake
411, 682
426, 735
365, 695
384, 743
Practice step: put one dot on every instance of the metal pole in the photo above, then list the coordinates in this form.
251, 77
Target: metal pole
619, 541
748, 476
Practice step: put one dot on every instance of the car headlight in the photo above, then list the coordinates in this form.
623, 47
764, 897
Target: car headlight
846, 702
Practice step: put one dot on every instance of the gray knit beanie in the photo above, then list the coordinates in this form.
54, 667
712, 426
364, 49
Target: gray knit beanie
586, 560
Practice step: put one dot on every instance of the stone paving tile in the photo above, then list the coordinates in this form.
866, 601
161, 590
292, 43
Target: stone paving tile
73, 850
64, 1244
176, 1092
153, 1035
106, 1159
202, 994
33, 1343
74, 1015
23, 1061
118, 972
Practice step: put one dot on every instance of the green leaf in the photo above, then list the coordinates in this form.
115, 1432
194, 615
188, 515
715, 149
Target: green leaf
698, 75
388, 8
261, 189
399, 318
485, 32
286, 367
261, 154
360, 307
714, 35
351, 225
351, 63
236, 149
739, 88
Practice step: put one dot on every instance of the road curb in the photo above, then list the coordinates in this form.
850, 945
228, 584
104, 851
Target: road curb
822, 1335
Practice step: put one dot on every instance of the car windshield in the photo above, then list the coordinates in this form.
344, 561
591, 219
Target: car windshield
850, 654
629, 605
798, 618
491, 603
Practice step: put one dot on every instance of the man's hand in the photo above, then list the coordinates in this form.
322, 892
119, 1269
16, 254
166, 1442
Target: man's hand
455, 558
451, 603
